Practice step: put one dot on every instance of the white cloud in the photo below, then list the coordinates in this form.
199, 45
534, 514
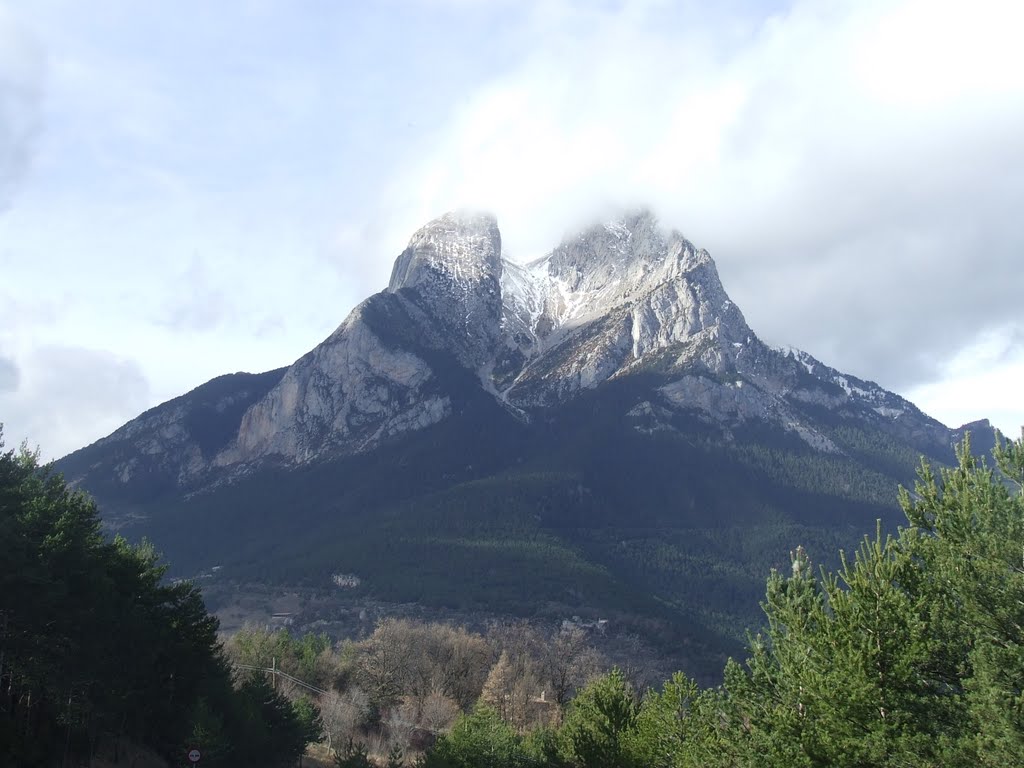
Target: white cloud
853, 167
68, 397
216, 196
10, 376
21, 85
983, 379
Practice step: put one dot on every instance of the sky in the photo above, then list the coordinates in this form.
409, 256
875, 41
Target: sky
191, 188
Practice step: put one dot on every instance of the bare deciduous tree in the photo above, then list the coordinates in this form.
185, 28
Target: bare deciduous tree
343, 714
568, 662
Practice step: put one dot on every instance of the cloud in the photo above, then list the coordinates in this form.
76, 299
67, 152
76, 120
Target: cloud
21, 85
9, 375
195, 302
994, 364
854, 168
70, 397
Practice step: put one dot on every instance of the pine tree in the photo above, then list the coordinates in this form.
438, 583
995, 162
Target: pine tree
912, 652
970, 522
664, 731
600, 722
479, 740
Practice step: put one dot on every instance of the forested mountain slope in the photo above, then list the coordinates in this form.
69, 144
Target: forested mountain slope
597, 433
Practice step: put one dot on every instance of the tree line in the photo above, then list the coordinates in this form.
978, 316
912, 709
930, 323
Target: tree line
910, 652
405, 685
100, 657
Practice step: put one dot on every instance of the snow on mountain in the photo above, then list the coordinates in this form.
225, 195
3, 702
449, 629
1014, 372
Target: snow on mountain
603, 302
881, 401
453, 266
621, 298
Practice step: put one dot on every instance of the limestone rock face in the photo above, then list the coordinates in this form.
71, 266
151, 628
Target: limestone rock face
348, 393
606, 302
452, 270
173, 445
620, 299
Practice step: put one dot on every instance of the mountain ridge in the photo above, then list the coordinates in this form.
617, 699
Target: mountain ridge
596, 432
616, 298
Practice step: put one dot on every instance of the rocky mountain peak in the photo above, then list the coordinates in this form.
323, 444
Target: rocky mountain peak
623, 262
451, 271
607, 253
461, 246
620, 298
608, 301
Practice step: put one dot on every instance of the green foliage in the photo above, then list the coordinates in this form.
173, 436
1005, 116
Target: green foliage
396, 757
96, 646
661, 730
910, 654
480, 740
306, 656
266, 729
90, 631
545, 747
209, 731
970, 549
311, 725
600, 721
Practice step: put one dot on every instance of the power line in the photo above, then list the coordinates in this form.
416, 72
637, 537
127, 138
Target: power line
277, 672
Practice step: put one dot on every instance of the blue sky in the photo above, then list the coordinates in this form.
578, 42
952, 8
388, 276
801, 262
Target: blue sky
193, 188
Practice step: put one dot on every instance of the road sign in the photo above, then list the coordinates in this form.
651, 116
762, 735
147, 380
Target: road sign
194, 755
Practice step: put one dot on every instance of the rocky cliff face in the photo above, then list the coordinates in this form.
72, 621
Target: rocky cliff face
626, 297
581, 435
452, 270
173, 445
609, 300
345, 395
357, 388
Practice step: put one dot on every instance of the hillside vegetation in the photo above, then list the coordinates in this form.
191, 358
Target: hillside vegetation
909, 652
99, 655
667, 534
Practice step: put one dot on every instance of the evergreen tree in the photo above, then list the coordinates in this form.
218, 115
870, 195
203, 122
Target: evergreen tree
679, 726
970, 544
307, 714
96, 648
353, 755
909, 654
479, 740
600, 722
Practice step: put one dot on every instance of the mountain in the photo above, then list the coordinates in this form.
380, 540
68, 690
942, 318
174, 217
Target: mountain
595, 432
